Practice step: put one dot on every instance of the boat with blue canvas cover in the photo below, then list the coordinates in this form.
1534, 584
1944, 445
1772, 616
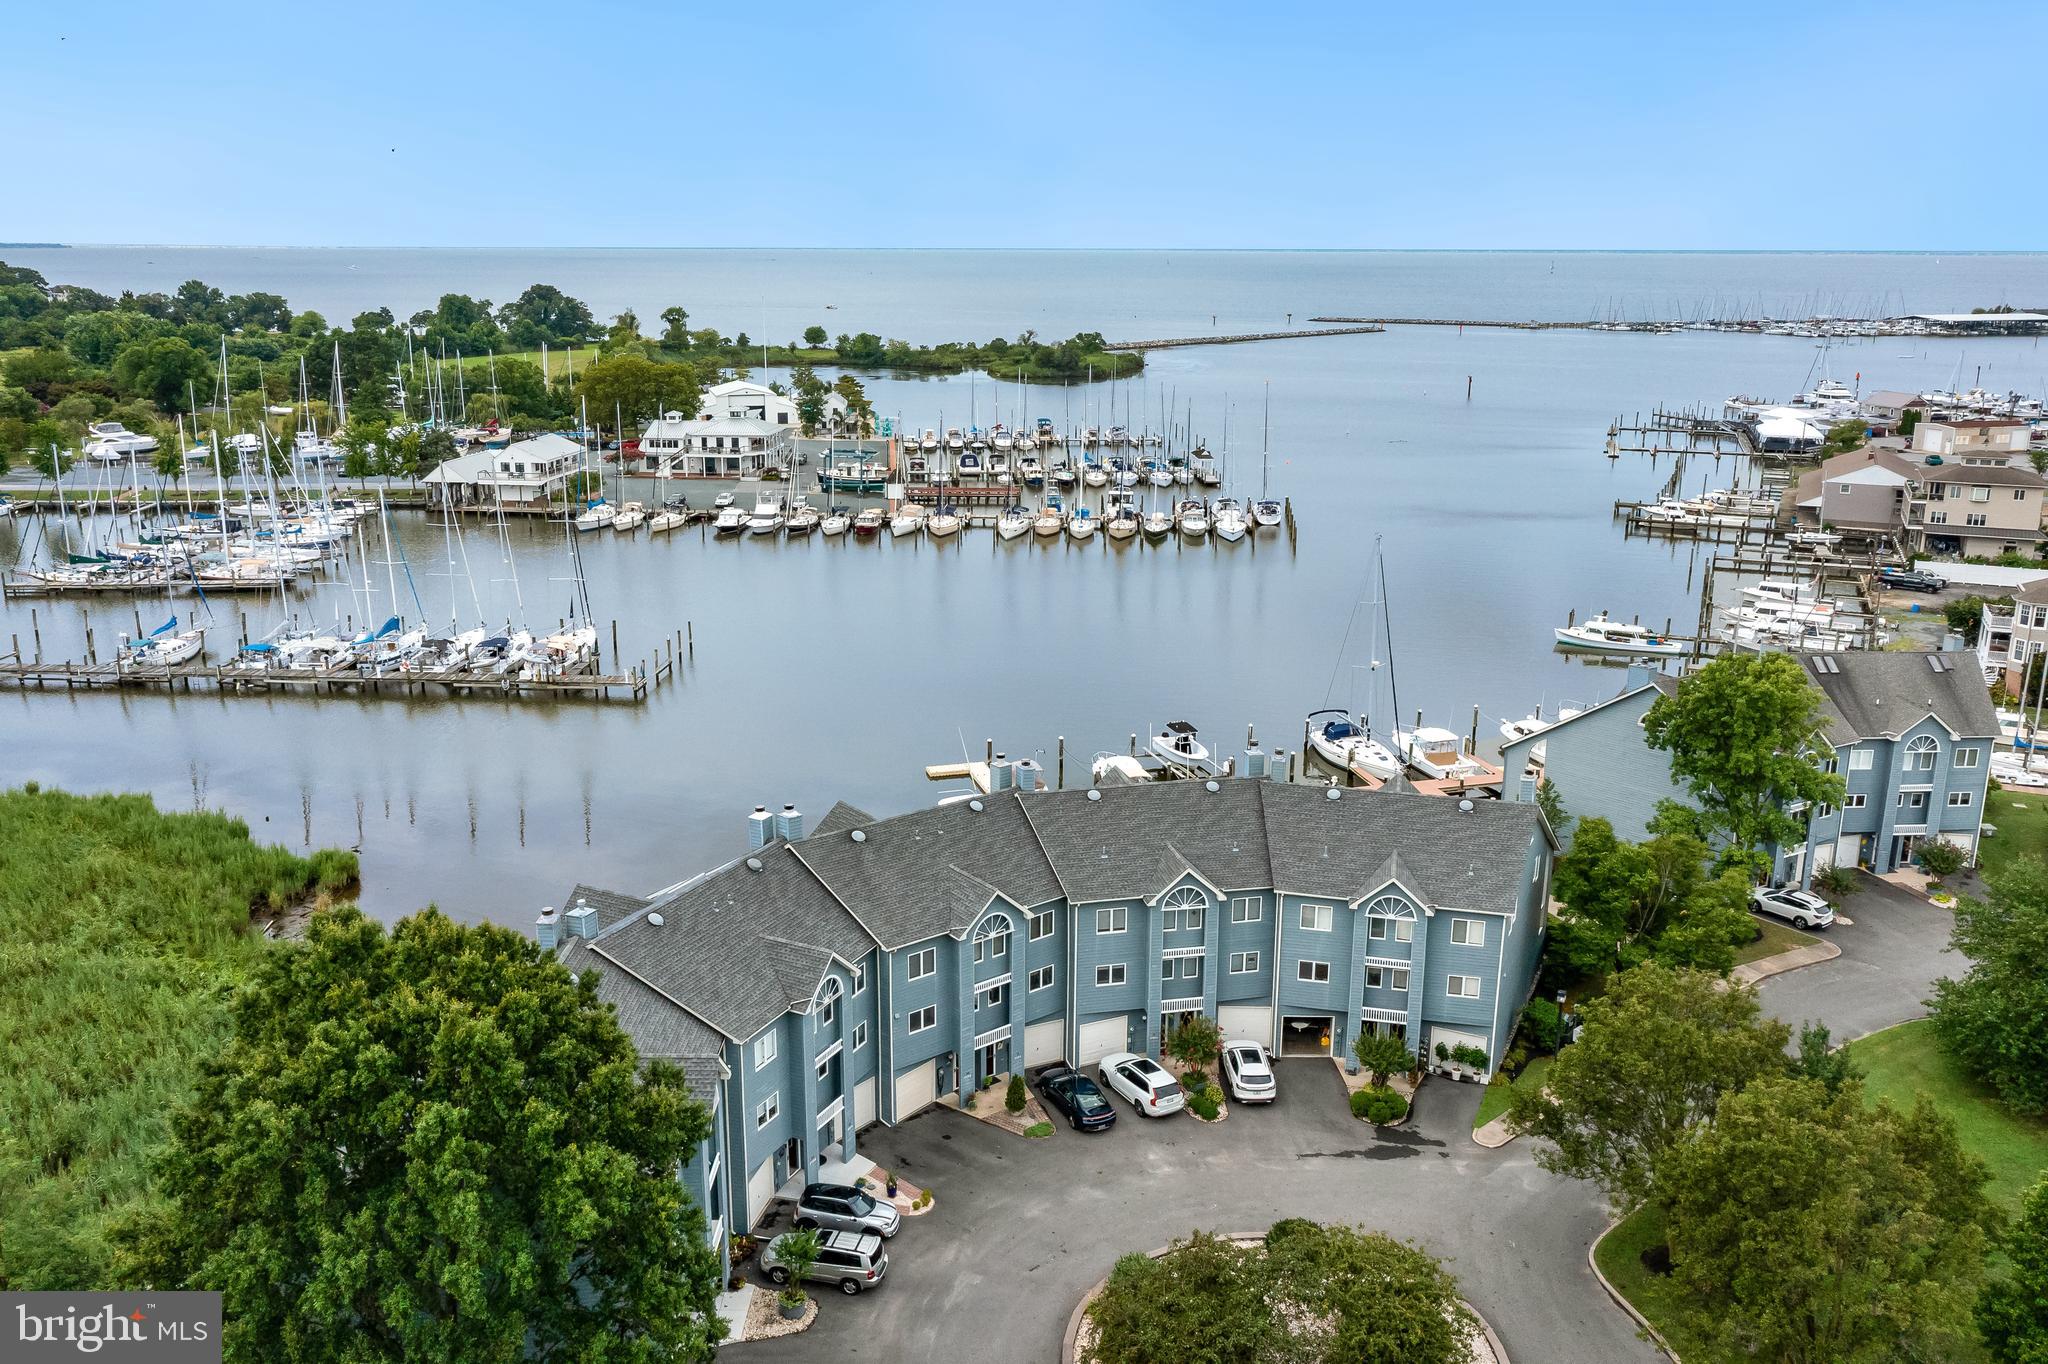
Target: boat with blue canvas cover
163, 646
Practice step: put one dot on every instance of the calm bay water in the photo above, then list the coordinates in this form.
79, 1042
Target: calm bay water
829, 670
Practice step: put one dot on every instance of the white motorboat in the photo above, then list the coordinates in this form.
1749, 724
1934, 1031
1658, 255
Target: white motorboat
1014, 521
954, 442
929, 441
868, 524
1512, 730
944, 522
1816, 540
1192, 517
729, 521
631, 516
1157, 525
1268, 512
1063, 475
1030, 472
1602, 635
1347, 745
908, 519
837, 521
1229, 520
1158, 474
1438, 753
1001, 438
163, 646
111, 442
596, 515
767, 517
1179, 745
1081, 525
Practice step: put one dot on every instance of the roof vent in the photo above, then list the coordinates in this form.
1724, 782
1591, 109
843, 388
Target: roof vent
1465, 806
976, 806
859, 836
1094, 795
1334, 793
656, 920
1211, 786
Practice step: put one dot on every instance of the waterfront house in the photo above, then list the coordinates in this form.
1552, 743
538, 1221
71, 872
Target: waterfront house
1868, 490
713, 447
2008, 636
524, 476
863, 972
746, 399
1977, 509
1910, 732
1972, 440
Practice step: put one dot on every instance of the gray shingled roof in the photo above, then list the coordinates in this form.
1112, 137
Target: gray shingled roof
738, 946
1115, 848
842, 817
611, 905
930, 872
1872, 694
660, 1031
1467, 859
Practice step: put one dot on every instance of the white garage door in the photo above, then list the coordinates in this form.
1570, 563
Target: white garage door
1044, 1042
1454, 1038
760, 1189
916, 1089
1247, 1022
864, 1103
1103, 1036
1845, 849
1823, 857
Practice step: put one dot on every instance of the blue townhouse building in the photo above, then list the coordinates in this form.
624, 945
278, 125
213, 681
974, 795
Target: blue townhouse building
869, 968
1911, 734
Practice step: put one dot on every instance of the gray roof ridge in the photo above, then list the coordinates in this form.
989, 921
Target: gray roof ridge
839, 900
1038, 840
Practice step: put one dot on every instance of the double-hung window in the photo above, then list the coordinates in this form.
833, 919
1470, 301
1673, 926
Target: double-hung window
764, 1049
766, 1111
1468, 932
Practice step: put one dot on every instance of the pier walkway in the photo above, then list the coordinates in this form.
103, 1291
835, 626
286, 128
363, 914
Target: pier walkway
1168, 343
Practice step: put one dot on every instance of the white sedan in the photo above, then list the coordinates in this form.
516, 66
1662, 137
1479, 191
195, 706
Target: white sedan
1249, 1073
1802, 908
1144, 1082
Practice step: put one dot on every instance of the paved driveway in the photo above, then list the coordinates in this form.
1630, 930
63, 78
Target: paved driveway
1891, 955
1022, 1228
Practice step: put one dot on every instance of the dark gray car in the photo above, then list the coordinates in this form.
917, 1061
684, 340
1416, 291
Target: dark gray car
841, 1207
854, 1260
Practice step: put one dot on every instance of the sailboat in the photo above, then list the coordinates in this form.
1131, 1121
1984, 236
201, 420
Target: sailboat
1345, 743
1268, 511
1229, 520
163, 646
944, 522
1014, 522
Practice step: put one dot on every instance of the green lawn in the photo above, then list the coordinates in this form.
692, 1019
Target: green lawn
2022, 820
1620, 1257
1495, 1101
1902, 1063
1777, 938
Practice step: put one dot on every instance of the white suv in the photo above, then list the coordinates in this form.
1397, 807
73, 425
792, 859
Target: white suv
1144, 1082
1802, 908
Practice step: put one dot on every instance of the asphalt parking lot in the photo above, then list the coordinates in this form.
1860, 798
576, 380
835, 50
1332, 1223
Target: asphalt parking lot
1020, 1229
1892, 952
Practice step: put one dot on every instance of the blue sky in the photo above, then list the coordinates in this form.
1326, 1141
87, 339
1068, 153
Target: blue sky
1124, 125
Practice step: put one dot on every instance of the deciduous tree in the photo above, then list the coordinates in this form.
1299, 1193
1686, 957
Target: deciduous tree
1382, 1055
1658, 1051
2012, 1312
1742, 733
1991, 1020
433, 1143
1813, 1229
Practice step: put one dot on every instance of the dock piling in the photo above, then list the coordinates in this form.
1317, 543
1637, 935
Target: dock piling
1062, 778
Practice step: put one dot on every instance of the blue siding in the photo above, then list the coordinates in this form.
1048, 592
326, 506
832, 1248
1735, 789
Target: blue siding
1601, 766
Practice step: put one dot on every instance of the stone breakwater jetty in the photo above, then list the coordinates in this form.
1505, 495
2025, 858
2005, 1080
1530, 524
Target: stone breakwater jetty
1167, 343
1382, 323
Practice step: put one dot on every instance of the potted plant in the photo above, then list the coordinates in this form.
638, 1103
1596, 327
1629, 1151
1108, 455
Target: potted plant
795, 1253
889, 1181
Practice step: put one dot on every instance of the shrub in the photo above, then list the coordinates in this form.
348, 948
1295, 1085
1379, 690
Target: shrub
1014, 1098
1207, 1102
1470, 1056
1382, 1054
1941, 857
1835, 883
1378, 1105
1196, 1044
1542, 1025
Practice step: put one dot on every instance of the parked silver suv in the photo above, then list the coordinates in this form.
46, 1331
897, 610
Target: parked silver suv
854, 1260
841, 1207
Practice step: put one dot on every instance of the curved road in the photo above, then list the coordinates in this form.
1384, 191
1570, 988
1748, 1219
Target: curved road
1020, 1229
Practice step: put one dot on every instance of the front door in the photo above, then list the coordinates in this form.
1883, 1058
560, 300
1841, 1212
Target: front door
793, 1157
1902, 849
988, 1060
947, 1081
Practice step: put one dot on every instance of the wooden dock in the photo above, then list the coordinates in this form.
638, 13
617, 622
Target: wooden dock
37, 675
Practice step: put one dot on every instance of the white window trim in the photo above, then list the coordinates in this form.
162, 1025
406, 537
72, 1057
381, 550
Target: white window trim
1046, 917
764, 1058
1115, 970
1247, 909
1324, 912
860, 1035
1302, 965
1117, 914
860, 976
768, 1110
927, 956
1958, 800
1244, 963
1861, 759
1855, 800
1033, 983
915, 1014
1974, 754
1473, 993
1469, 927
1397, 979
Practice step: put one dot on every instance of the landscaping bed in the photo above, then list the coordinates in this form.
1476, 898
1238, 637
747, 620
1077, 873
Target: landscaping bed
1495, 1101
